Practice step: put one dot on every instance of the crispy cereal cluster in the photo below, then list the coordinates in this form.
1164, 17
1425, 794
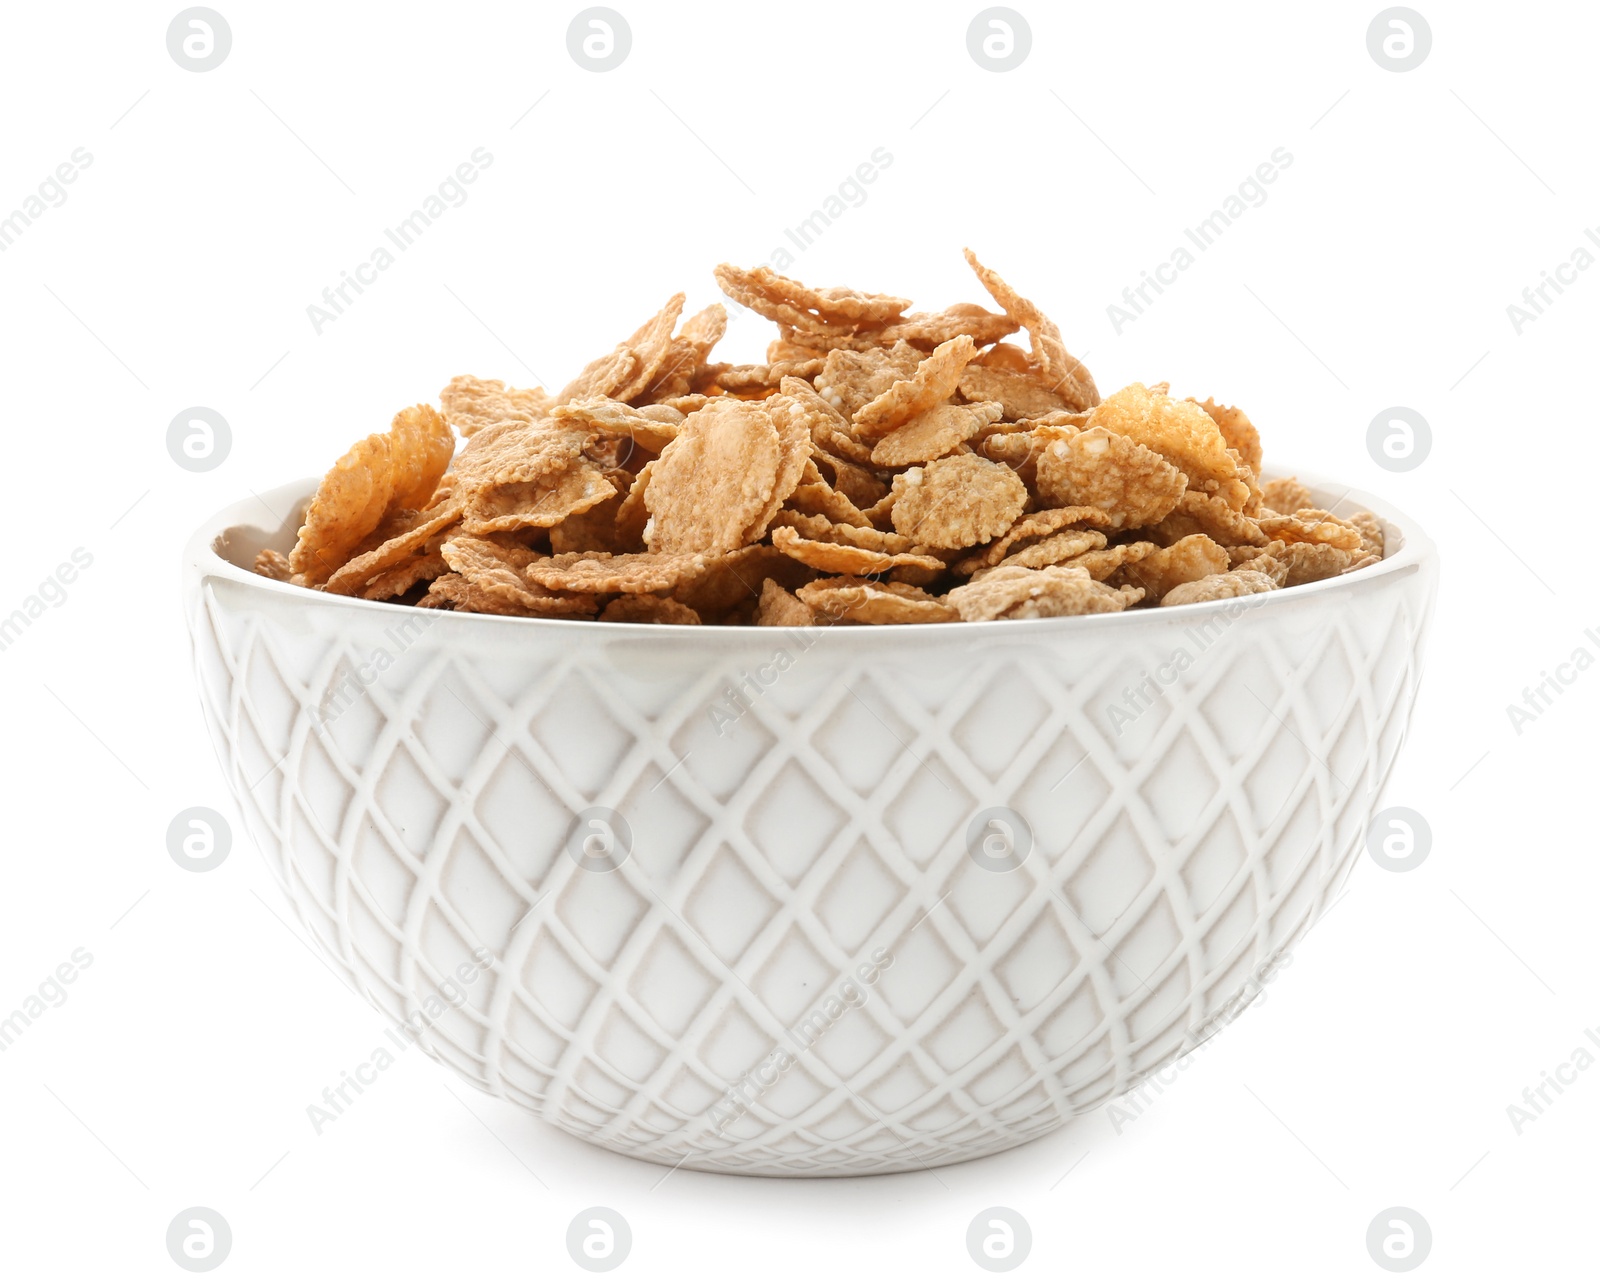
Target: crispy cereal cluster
881, 467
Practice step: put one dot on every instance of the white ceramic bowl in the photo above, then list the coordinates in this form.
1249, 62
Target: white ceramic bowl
800, 952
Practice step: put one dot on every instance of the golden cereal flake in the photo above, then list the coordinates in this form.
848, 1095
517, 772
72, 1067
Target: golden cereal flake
1236, 582
1198, 513
1237, 430
602, 573
1054, 549
404, 576
1285, 494
1313, 525
782, 608
791, 303
841, 558
957, 502
649, 609
860, 600
933, 383
470, 404
348, 505
602, 376
494, 584
1019, 394
1034, 525
351, 577
536, 504
850, 379
715, 479
1185, 561
420, 447
733, 582
1097, 468
1371, 533
652, 426
1060, 371
1013, 591
792, 422
1103, 563
273, 564
934, 433
1179, 430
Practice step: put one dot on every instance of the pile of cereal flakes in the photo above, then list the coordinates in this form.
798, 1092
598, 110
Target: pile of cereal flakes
882, 466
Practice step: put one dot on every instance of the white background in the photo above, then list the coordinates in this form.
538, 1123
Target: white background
218, 206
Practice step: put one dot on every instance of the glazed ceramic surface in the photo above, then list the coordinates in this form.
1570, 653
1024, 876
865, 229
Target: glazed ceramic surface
817, 902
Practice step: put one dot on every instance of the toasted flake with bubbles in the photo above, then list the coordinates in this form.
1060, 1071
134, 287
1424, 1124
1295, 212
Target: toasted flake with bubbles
516, 452
933, 383
1198, 513
1361, 563
731, 583
1054, 549
792, 422
352, 577
495, 584
1237, 430
536, 504
649, 345
420, 447
1014, 591
1034, 525
1371, 533
1019, 394
957, 502
1058, 369
1185, 561
815, 497
649, 609
1236, 582
934, 433
841, 558
471, 404
860, 600
404, 576
860, 484
1097, 468
1313, 525
603, 376
1297, 562
348, 505
626, 572
1285, 494
714, 481
740, 378
1179, 430
652, 426
928, 330
850, 379
800, 307
273, 564
1102, 563
782, 608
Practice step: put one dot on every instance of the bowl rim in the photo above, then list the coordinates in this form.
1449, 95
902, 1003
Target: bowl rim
203, 560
